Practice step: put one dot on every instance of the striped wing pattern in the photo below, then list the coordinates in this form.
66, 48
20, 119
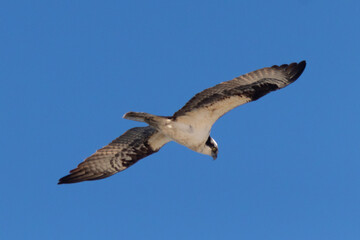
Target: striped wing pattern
213, 102
120, 154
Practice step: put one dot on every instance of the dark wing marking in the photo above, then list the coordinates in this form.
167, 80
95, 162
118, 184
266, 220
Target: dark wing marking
213, 102
120, 154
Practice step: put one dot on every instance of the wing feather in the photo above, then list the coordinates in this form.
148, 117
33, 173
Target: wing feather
120, 154
214, 102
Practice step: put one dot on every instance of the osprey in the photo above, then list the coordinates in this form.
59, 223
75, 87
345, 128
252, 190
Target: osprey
190, 126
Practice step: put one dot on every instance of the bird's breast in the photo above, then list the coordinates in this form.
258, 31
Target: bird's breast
189, 135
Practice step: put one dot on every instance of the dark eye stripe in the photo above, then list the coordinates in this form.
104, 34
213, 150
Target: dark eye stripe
209, 143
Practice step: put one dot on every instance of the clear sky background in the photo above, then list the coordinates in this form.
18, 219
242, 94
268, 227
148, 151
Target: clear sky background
288, 165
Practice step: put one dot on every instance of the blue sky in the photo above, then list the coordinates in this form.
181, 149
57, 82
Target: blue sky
288, 165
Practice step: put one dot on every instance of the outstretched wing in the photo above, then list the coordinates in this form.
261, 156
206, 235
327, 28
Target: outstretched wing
210, 104
120, 154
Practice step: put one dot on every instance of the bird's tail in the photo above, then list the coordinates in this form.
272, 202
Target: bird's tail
137, 116
150, 119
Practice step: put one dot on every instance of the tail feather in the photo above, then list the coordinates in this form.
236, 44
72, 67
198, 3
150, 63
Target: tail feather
150, 119
138, 116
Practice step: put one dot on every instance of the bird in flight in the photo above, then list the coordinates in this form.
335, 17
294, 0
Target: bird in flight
190, 126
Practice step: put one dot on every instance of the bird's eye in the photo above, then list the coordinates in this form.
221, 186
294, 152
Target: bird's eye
214, 149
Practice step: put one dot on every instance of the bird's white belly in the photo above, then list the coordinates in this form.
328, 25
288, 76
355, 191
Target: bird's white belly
189, 135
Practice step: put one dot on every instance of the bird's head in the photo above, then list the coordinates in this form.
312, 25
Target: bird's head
211, 148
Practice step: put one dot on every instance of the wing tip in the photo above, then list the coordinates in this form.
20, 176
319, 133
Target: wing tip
297, 70
71, 178
293, 70
63, 182
80, 175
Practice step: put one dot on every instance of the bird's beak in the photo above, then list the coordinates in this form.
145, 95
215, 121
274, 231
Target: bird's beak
214, 155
